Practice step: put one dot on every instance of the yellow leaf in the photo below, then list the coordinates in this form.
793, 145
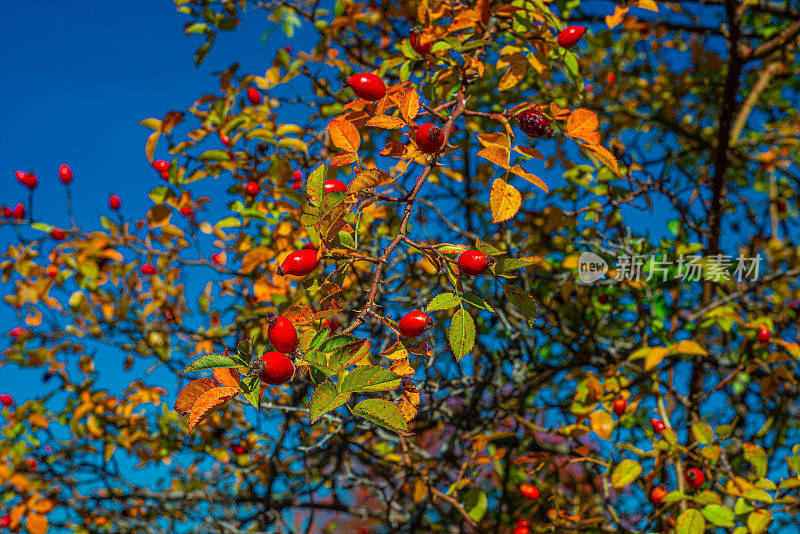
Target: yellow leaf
690, 347
369, 178
407, 102
343, 159
402, 367
505, 200
208, 401
602, 154
602, 424
385, 121
39, 420
649, 5
654, 357
36, 523
515, 74
529, 151
616, 18
344, 135
409, 402
497, 155
255, 257
227, 376
532, 178
150, 145
192, 392
494, 139
583, 124
397, 351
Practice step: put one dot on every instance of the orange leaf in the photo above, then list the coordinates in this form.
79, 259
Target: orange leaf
299, 314
42, 506
192, 392
602, 154
557, 112
150, 145
402, 367
583, 124
227, 376
497, 139
529, 151
602, 424
37, 419
505, 201
36, 523
368, 179
343, 159
497, 155
407, 102
532, 178
515, 74
385, 121
208, 401
649, 5
344, 135
409, 402
616, 18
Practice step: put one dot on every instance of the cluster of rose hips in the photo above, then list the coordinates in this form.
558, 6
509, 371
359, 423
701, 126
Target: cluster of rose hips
161, 167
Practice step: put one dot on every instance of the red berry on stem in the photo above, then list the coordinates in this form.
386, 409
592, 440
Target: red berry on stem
793, 304
474, 262
763, 335
695, 477
657, 495
51, 271
658, 425
160, 165
522, 523
288, 48
165, 175
534, 123
416, 43
522, 530
299, 263
414, 324
186, 211
238, 449
114, 202
297, 175
17, 331
32, 464
335, 185
279, 368
254, 96
297, 185
619, 406
225, 139
430, 138
19, 211
65, 173
7, 400
5, 520
7, 212
611, 78
529, 491
367, 86
282, 334
252, 188
58, 234
570, 35
217, 258
148, 269
28, 179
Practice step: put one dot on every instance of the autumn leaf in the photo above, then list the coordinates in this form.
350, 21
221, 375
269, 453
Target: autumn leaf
409, 401
369, 178
497, 155
616, 18
385, 121
494, 139
344, 135
189, 395
402, 367
583, 124
650, 5
505, 200
603, 155
343, 159
602, 424
36, 523
207, 402
227, 376
532, 178
407, 102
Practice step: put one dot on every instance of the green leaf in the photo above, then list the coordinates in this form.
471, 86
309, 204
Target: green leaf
462, 334
160, 194
335, 342
505, 265
475, 503
524, 302
758, 521
702, 432
476, 301
325, 398
757, 458
383, 413
370, 378
211, 361
443, 301
201, 53
245, 350
342, 355
251, 389
491, 250
571, 62
691, 521
214, 155
626, 472
319, 339
315, 185
719, 515
757, 495
673, 496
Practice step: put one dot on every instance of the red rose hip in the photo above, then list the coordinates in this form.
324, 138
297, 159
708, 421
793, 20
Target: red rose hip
238, 449
333, 185
186, 211
282, 334
367, 86
19, 211
763, 335
534, 123
657, 495
114, 202
161, 166
570, 36
253, 96
695, 477
414, 324
7, 400
430, 138
58, 234
299, 263
28, 179
147, 269
252, 188
297, 175
279, 368
619, 406
65, 174
419, 47
529, 491
474, 262
658, 425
